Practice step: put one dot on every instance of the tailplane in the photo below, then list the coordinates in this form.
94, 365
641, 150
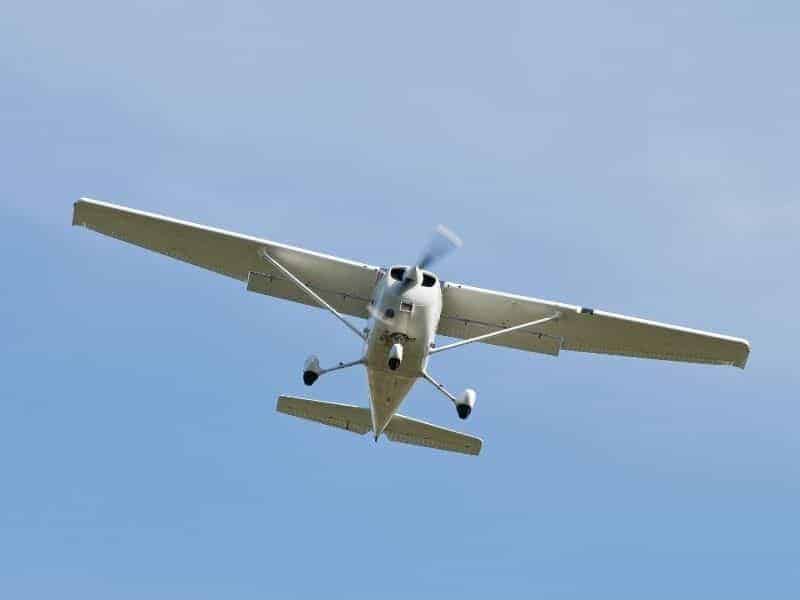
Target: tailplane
400, 429
343, 416
419, 433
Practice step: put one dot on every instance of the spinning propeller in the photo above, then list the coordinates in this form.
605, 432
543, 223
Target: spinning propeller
442, 243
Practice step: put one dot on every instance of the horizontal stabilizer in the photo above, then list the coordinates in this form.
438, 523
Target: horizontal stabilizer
343, 416
419, 433
400, 429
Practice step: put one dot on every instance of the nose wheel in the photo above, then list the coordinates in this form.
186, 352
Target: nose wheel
395, 356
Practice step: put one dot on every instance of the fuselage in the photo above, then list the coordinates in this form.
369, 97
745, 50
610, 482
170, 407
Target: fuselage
405, 310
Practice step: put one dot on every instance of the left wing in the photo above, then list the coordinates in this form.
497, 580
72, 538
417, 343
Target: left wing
468, 312
344, 284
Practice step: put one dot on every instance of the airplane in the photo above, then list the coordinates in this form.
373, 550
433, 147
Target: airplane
406, 307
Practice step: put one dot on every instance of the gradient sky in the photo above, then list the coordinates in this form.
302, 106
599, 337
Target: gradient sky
636, 157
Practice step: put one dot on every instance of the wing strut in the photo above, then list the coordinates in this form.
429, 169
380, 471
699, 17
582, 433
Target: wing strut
311, 293
486, 336
439, 386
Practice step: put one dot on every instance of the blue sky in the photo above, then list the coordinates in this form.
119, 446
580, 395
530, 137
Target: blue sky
636, 157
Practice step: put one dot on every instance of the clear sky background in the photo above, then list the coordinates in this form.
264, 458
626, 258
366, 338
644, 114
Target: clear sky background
637, 157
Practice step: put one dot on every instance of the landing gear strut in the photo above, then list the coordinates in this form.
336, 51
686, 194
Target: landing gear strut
466, 401
312, 370
463, 403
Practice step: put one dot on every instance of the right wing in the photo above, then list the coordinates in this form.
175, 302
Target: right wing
344, 284
469, 312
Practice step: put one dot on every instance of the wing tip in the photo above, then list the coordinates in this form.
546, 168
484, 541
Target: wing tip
741, 363
76, 207
478, 447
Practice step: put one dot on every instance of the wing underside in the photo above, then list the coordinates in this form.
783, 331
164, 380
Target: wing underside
344, 284
469, 311
347, 285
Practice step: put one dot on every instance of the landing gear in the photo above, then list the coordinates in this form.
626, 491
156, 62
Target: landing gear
312, 370
395, 356
464, 403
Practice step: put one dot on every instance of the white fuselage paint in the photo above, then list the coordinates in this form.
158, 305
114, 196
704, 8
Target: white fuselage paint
414, 312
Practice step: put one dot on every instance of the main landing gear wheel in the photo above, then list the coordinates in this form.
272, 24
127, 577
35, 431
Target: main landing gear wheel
465, 403
311, 370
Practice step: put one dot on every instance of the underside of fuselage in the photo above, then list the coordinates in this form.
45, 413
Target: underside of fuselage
405, 316
387, 390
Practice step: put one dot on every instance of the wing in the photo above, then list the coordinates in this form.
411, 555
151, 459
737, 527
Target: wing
468, 312
344, 284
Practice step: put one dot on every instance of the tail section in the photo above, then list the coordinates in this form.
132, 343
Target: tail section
400, 429
343, 416
419, 433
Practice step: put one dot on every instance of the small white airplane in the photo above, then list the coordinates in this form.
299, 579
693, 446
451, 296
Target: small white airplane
405, 307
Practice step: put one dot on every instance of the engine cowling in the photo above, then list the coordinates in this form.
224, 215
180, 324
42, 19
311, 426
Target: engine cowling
465, 403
